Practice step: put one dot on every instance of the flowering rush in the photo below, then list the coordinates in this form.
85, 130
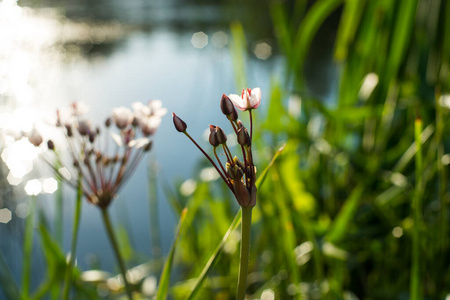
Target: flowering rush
238, 173
104, 164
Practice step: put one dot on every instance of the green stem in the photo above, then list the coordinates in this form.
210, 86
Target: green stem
416, 288
115, 245
245, 247
74, 241
28, 249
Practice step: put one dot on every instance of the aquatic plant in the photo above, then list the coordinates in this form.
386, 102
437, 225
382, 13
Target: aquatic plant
99, 168
239, 176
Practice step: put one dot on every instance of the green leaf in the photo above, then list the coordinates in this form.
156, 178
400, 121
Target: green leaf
345, 216
238, 48
164, 281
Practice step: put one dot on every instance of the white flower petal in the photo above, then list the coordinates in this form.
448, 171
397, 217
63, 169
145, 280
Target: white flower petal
139, 143
237, 101
255, 98
117, 139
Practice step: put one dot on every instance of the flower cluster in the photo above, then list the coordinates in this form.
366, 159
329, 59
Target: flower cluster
239, 175
102, 165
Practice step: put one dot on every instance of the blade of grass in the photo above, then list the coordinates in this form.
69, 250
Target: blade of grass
416, 283
238, 49
353, 10
345, 216
308, 29
75, 229
153, 214
165, 275
28, 248
236, 222
7, 282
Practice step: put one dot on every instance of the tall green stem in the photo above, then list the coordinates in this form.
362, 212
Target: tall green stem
115, 245
74, 241
416, 287
245, 247
28, 249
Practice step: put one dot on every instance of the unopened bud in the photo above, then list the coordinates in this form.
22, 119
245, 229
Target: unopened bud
243, 137
35, 138
91, 136
226, 105
50, 145
213, 140
108, 122
221, 136
180, 125
69, 130
148, 147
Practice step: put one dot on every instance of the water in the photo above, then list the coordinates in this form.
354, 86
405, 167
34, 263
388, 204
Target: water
119, 56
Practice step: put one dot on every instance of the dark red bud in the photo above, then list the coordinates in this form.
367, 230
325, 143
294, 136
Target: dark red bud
180, 125
50, 145
226, 105
221, 136
243, 137
108, 122
228, 108
213, 140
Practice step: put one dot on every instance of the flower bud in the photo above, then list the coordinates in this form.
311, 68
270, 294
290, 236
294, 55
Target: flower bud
226, 105
213, 140
108, 122
148, 147
221, 136
243, 137
180, 125
50, 145
35, 138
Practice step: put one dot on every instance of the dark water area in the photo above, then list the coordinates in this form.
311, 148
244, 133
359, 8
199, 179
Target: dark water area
137, 51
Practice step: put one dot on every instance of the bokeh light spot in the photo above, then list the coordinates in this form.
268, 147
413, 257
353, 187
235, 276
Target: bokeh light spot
397, 232
13, 180
5, 215
188, 187
219, 39
262, 50
22, 210
268, 295
199, 40
49, 185
33, 187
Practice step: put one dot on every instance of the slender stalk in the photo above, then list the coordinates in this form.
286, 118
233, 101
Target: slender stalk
251, 124
154, 215
74, 241
59, 211
210, 160
115, 245
28, 249
245, 247
416, 287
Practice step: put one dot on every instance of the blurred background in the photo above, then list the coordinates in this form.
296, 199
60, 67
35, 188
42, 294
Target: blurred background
350, 87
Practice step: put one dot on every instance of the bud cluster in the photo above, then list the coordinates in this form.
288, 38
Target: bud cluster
239, 175
102, 165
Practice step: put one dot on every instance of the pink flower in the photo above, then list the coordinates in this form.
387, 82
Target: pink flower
249, 99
